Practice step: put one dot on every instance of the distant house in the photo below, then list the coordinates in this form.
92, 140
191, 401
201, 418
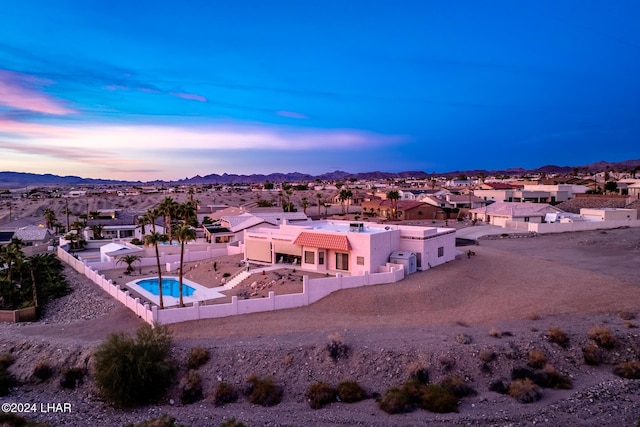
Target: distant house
500, 212
407, 210
231, 224
33, 235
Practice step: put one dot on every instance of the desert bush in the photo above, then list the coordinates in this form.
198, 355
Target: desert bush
534, 316
350, 391
487, 355
263, 391
198, 356
224, 393
421, 375
43, 371
336, 347
6, 381
536, 358
131, 372
396, 401
320, 394
447, 363
498, 386
13, 420
629, 370
6, 360
456, 385
191, 388
521, 373
439, 399
71, 378
524, 391
627, 315
602, 336
556, 335
463, 339
592, 354
554, 379
232, 423
163, 421
494, 332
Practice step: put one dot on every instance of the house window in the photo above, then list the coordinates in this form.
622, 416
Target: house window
526, 219
222, 239
342, 261
320, 257
440, 251
309, 257
360, 260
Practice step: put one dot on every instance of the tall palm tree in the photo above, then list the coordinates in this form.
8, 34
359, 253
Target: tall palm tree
342, 196
184, 234
319, 196
129, 260
167, 208
187, 212
49, 217
154, 239
304, 202
67, 212
394, 195
143, 221
152, 215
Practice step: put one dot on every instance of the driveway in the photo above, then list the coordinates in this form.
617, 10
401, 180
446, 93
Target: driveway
475, 232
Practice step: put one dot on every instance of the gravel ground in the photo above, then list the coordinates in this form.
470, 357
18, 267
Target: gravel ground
504, 300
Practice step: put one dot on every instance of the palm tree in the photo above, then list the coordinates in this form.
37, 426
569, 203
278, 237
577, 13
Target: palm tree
97, 231
304, 204
129, 260
167, 208
49, 217
187, 212
319, 196
394, 195
184, 233
342, 196
142, 221
152, 215
154, 239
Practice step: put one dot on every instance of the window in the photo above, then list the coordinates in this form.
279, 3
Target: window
360, 260
526, 219
222, 239
320, 257
440, 251
309, 257
342, 261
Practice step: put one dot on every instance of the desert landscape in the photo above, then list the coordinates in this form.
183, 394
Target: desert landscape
476, 317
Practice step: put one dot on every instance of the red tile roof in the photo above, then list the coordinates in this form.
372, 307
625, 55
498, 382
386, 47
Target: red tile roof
323, 240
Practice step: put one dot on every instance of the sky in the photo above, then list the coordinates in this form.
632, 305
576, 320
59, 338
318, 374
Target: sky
146, 90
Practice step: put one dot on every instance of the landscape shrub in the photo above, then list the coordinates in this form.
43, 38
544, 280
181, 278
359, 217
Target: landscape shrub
396, 401
163, 421
592, 354
602, 336
629, 370
224, 393
439, 399
43, 371
336, 347
456, 385
71, 378
263, 391
232, 423
198, 356
320, 394
556, 335
13, 420
536, 358
134, 371
350, 391
524, 391
191, 388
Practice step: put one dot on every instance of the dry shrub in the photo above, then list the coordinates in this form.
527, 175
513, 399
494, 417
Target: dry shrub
627, 315
549, 377
439, 399
224, 393
320, 394
71, 378
396, 401
163, 421
556, 335
498, 386
43, 371
521, 373
456, 385
6, 379
286, 360
487, 355
232, 423
336, 347
351, 391
6, 360
462, 323
447, 363
534, 316
198, 356
536, 358
263, 391
629, 370
525, 391
630, 325
421, 375
494, 332
602, 336
464, 339
592, 354
191, 388
14, 420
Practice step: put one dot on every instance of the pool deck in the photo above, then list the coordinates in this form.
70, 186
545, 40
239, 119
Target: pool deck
200, 293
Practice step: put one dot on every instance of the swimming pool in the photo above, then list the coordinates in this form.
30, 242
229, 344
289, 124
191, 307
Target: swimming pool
170, 287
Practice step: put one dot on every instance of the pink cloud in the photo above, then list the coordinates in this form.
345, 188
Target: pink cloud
16, 92
189, 96
291, 114
34, 129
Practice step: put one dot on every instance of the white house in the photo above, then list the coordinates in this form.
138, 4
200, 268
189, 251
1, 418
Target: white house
500, 212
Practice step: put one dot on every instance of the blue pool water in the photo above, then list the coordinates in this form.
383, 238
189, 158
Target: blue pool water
169, 287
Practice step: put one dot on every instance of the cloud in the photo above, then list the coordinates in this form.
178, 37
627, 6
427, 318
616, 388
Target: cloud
17, 92
291, 114
189, 96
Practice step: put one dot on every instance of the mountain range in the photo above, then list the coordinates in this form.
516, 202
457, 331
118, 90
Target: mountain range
21, 179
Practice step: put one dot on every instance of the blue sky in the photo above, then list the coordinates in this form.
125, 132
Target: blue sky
150, 90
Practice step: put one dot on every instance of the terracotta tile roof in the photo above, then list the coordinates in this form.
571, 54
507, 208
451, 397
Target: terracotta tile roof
323, 240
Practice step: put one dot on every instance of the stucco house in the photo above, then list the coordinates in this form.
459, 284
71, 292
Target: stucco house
33, 235
500, 212
351, 247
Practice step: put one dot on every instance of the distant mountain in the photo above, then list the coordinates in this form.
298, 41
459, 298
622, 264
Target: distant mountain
21, 179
